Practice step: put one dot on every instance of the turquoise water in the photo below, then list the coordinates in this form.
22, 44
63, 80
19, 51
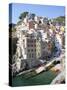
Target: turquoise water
43, 78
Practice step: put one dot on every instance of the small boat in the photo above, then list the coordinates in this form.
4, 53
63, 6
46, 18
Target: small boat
40, 69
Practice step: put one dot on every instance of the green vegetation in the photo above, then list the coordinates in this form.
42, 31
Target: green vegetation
12, 28
23, 15
60, 19
33, 15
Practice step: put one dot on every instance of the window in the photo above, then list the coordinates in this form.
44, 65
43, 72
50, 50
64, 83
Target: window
31, 45
28, 45
32, 55
27, 40
31, 50
23, 40
31, 41
29, 55
28, 50
34, 45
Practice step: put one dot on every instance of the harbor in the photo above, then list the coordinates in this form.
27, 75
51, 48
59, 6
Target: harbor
37, 76
40, 79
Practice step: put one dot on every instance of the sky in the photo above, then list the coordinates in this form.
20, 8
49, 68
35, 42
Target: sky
48, 11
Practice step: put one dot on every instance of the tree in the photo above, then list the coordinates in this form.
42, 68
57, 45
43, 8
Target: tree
23, 15
60, 19
33, 15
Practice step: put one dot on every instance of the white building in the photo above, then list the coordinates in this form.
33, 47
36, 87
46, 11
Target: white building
29, 42
28, 46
